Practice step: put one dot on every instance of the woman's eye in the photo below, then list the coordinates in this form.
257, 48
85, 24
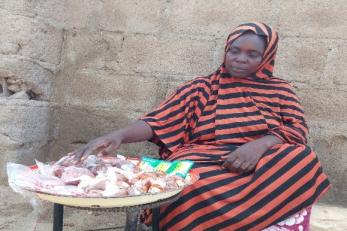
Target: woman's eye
233, 51
253, 56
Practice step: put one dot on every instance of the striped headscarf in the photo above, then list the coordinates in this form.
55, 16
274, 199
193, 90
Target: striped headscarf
266, 67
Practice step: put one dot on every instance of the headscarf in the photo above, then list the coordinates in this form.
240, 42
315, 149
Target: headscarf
266, 67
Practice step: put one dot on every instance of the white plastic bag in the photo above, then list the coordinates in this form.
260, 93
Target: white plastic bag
21, 177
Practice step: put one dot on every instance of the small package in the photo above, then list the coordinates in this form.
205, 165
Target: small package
177, 167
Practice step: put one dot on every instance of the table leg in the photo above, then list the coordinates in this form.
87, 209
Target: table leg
58, 216
155, 219
132, 219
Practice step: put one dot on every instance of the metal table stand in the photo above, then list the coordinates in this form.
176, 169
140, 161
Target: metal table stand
132, 213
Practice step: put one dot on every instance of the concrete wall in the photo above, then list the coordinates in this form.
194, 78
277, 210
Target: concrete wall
95, 66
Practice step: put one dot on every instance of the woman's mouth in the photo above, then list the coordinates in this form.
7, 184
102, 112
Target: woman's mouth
238, 69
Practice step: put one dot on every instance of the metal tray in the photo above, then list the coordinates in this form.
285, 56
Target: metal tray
107, 202
111, 202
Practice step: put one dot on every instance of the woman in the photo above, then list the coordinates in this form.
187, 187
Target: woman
246, 133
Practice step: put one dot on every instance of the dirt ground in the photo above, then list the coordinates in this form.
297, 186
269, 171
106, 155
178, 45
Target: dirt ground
17, 214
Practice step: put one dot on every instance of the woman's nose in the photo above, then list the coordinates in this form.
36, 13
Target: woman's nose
241, 58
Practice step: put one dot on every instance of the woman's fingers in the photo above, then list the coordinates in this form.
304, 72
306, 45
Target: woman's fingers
83, 152
111, 149
231, 158
239, 166
96, 148
244, 166
87, 153
77, 155
65, 160
252, 166
233, 169
237, 163
103, 145
230, 167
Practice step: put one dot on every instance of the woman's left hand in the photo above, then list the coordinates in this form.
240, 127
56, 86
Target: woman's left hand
245, 158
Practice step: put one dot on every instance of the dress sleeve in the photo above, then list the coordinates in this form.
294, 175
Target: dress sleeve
293, 128
173, 120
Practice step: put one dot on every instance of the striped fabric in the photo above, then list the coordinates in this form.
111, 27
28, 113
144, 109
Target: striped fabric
209, 117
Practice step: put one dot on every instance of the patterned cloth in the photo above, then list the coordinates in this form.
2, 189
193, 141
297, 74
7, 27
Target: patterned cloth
297, 222
209, 117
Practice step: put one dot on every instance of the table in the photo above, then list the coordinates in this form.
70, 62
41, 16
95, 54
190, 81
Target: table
132, 213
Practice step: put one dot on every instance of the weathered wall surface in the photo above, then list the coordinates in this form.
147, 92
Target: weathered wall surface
31, 45
94, 66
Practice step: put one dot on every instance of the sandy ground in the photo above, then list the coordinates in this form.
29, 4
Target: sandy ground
16, 214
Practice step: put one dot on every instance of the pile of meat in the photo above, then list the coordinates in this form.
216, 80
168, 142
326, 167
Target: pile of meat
96, 177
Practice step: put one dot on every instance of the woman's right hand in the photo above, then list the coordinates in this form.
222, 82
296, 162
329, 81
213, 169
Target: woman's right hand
109, 143
104, 145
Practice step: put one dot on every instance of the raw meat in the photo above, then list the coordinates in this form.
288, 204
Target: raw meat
97, 177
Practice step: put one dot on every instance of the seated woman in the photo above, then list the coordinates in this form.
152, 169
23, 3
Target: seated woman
246, 133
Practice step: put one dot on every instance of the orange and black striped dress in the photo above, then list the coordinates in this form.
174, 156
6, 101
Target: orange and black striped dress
209, 117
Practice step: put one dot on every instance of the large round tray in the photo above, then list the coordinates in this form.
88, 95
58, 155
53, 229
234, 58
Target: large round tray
107, 202
110, 202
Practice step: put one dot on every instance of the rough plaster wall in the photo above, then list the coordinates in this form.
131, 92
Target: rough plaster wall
31, 44
101, 64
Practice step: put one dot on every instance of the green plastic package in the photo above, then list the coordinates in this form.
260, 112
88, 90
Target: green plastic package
177, 167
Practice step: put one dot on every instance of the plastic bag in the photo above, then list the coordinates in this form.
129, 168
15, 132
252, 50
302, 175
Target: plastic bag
19, 178
23, 177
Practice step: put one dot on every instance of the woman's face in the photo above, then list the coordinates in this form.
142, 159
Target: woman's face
244, 55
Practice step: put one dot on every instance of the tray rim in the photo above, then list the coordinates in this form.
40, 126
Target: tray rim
109, 202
